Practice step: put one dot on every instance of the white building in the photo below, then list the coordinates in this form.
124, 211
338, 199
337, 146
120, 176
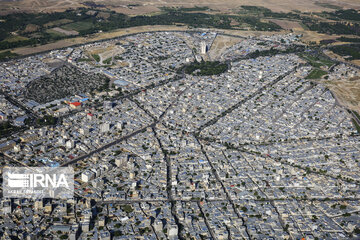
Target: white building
120, 161
119, 125
70, 144
87, 176
173, 231
105, 127
158, 225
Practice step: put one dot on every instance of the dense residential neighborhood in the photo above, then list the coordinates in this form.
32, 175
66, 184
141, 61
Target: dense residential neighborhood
259, 151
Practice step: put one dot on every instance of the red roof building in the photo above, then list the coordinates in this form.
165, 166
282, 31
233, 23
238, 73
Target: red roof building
75, 104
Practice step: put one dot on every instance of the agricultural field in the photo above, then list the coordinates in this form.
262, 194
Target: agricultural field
59, 32
78, 26
15, 38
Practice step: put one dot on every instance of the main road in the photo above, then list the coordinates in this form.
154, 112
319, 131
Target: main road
117, 141
82, 157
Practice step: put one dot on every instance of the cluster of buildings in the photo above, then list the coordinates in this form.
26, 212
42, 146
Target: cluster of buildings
252, 44
292, 108
147, 58
244, 79
15, 75
10, 112
258, 152
81, 132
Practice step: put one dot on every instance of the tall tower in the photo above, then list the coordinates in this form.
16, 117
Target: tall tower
203, 47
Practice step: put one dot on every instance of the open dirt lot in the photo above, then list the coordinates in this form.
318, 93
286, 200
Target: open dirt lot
285, 24
312, 36
347, 92
220, 44
340, 58
147, 6
105, 53
66, 32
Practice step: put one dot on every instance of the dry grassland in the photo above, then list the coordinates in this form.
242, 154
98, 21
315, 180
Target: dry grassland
147, 6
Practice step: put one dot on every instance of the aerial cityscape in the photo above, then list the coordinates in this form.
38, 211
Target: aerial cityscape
237, 128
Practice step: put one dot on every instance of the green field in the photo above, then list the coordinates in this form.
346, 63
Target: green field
204, 68
96, 57
55, 34
7, 55
84, 60
57, 22
15, 38
350, 52
316, 73
316, 61
78, 26
356, 125
346, 39
107, 61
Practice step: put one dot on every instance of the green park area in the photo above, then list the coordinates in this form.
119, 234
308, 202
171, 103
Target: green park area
204, 68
